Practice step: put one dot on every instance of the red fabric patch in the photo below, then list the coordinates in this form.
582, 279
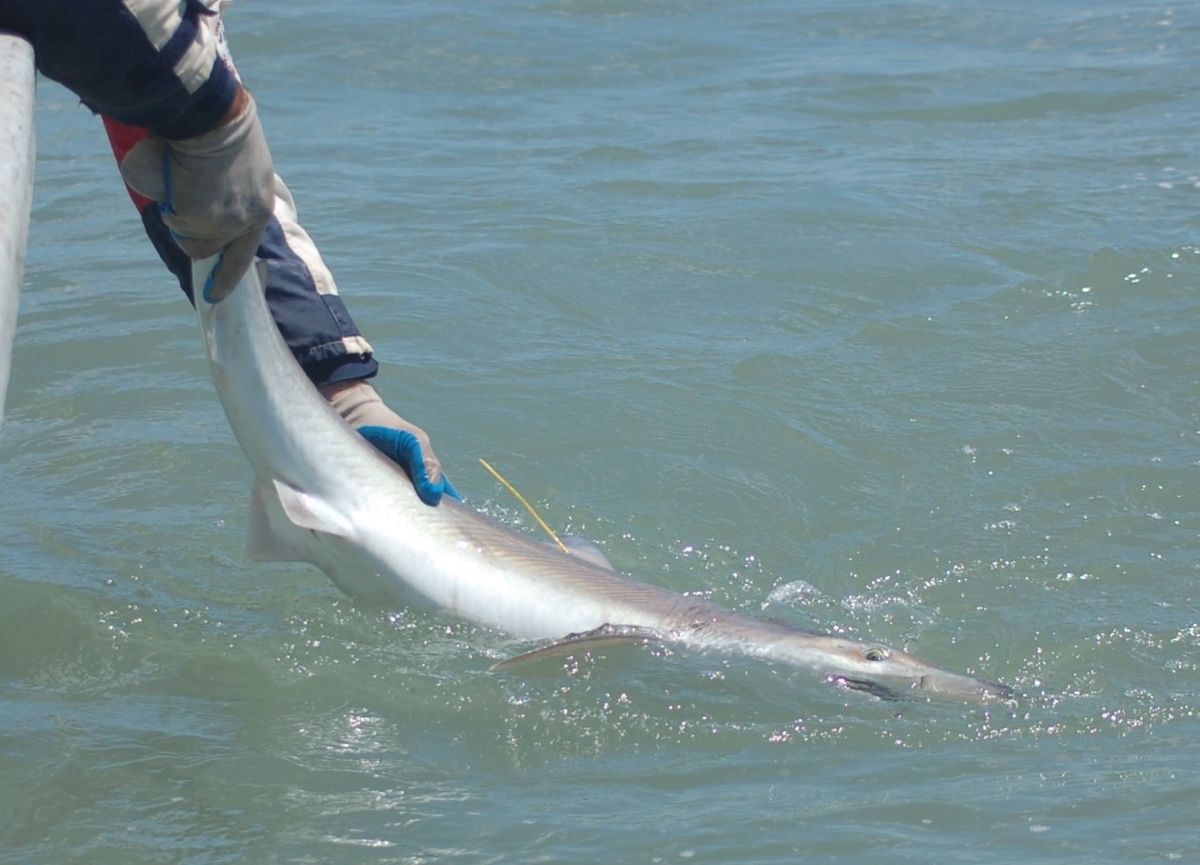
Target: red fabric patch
123, 137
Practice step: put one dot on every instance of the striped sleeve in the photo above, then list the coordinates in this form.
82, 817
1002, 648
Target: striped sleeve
148, 63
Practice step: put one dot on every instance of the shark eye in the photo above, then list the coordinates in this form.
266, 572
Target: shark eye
876, 654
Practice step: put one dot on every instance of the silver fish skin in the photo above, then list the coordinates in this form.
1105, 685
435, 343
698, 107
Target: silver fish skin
323, 495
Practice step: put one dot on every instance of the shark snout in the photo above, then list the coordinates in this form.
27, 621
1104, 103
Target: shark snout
966, 688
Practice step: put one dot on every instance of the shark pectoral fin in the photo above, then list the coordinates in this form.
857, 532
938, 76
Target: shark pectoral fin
601, 637
263, 543
311, 512
277, 510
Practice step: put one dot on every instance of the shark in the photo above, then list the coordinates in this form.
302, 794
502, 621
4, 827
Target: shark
323, 495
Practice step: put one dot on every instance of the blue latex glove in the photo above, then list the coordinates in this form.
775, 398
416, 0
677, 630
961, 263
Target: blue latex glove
402, 448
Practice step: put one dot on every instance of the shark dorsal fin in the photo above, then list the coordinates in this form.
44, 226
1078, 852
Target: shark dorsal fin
588, 551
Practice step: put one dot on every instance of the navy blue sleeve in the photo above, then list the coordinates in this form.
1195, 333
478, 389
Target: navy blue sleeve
317, 327
148, 63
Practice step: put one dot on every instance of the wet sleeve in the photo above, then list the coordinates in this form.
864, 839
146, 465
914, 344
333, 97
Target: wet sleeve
147, 63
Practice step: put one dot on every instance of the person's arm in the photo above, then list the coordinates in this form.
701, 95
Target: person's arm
149, 63
194, 157
159, 65
314, 322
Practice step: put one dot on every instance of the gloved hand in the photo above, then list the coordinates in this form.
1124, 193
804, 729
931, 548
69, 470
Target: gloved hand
404, 443
216, 191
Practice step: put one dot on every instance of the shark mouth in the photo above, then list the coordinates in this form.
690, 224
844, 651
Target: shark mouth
866, 686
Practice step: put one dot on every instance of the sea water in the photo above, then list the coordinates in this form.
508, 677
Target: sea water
878, 318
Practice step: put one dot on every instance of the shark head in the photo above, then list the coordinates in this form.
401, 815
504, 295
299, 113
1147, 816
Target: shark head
893, 674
